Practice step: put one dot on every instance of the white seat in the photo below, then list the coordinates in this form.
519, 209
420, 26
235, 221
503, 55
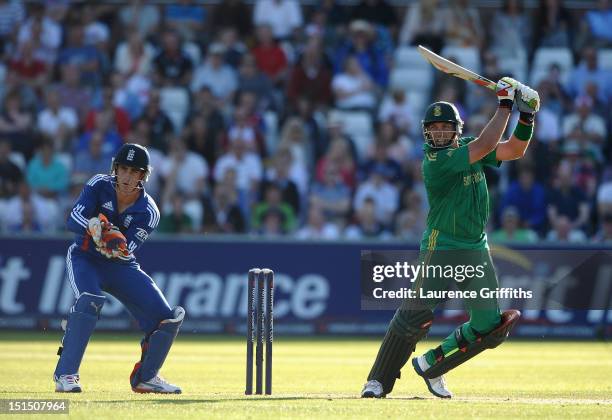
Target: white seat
515, 65
409, 57
174, 101
412, 79
468, 57
604, 59
545, 57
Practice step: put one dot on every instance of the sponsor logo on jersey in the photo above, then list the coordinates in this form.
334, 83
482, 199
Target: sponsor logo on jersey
130, 155
108, 205
127, 221
141, 234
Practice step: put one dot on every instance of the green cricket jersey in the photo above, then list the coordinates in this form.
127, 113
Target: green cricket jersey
458, 197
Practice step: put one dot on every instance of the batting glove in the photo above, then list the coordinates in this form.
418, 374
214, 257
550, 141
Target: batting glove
506, 89
528, 100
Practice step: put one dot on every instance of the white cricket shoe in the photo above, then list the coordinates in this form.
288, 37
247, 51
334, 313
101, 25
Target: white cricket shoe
157, 385
437, 386
67, 383
372, 389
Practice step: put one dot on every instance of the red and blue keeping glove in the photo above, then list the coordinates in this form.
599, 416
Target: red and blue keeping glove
109, 240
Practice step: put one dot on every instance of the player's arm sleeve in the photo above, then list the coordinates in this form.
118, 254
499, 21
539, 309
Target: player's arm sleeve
84, 209
491, 159
141, 227
448, 161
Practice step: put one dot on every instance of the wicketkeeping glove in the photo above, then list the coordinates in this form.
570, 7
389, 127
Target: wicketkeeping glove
109, 240
505, 90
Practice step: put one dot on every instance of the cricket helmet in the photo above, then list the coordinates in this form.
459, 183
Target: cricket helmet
134, 156
441, 112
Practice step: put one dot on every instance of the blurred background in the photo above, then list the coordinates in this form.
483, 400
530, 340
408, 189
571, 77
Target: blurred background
275, 123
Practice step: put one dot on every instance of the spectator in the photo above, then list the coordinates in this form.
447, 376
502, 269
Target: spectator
223, 215
317, 227
43, 31
232, 13
273, 203
176, 221
248, 169
10, 174
47, 175
104, 123
205, 105
134, 56
331, 196
91, 65
510, 31
396, 110
140, 17
269, 56
272, 225
72, 93
567, 200
120, 119
406, 227
28, 67
311, 77
184, 172
604, 235
585, 128
44, 211
511, 231
202, 140
186, 18
338, 153
279, 176
423, 25
57, 122
284, 17
96, 32
234, 47
158, 121
294, 137
376, 12
463, 25
16, 124
361, 44
528, 197
353, 88
383, 194
367, 225
552, 25
597, 25
141, 134
380, 162
251, 79
172, 65
220, 77
589, 71
411, 203
13, 14
563, 231
246, 128
604, 197
94, 160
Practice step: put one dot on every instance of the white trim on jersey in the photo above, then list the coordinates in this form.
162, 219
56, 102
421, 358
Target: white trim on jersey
94, 179
78, 216
70, 271
154, 216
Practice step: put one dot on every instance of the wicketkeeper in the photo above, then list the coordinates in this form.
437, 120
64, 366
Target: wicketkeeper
459, 209
111, 219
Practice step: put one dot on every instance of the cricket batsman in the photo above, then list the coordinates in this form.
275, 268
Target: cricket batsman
459, 209
111, 219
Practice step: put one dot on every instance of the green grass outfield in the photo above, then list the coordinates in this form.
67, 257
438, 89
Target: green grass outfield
314, 378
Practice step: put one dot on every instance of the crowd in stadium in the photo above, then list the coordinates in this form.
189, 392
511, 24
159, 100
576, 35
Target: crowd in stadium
278, 118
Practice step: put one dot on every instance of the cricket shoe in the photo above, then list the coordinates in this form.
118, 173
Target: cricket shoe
372, 389
156, 385
437, 385
67, 383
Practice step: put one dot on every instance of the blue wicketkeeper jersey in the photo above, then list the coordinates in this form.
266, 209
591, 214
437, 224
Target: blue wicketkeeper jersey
99, 196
